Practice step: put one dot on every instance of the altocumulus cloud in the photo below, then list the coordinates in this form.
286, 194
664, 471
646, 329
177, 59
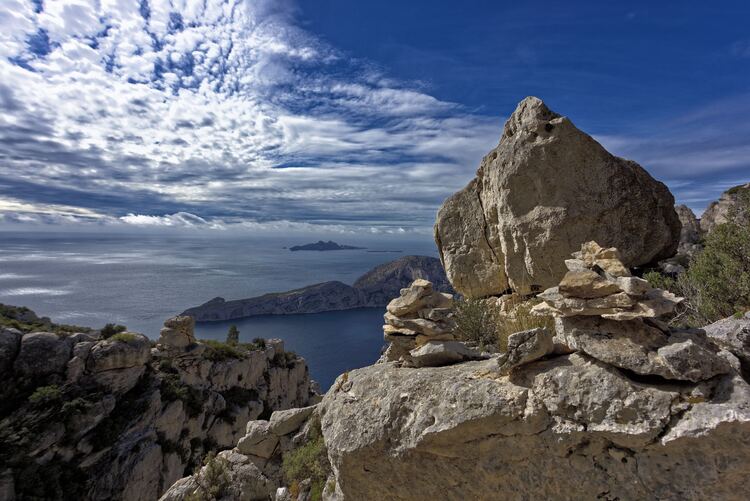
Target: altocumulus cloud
215, 114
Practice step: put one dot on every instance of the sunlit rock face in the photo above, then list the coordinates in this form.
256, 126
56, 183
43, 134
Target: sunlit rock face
546, 189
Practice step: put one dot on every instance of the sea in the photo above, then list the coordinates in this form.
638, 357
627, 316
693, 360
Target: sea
139, 280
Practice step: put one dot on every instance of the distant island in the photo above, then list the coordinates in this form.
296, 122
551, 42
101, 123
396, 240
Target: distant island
323, 246
373, 289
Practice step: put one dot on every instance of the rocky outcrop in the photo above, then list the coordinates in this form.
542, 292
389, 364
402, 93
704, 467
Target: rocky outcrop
614, 406
252, 470
691, 232
547, 188
373, 289
718, 212
91, 418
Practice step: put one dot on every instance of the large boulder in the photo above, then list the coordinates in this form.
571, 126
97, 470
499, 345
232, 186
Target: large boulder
568, 428
547, 188
42, 354
719, 211
691, 232
10, 342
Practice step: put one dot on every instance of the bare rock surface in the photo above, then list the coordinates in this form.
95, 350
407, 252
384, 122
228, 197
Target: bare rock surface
718, 212
120, 419
547, 188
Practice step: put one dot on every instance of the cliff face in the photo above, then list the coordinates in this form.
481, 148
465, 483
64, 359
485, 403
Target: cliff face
373, 289
118, 418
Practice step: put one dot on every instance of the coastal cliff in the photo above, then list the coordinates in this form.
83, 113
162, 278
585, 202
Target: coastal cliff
373, 289
110, 415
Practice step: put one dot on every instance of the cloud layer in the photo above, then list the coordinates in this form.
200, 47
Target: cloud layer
131, 112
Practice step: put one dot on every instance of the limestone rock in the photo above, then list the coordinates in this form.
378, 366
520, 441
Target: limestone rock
546, 189
258, 440
718, 212
525, 347
10, 343
568, 427
641, 348
287, 421
691, 232
108, 354
178, 332
41, 354
732, 334
438, 353
586, 284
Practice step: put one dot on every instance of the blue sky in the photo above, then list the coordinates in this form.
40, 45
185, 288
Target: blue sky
341, 116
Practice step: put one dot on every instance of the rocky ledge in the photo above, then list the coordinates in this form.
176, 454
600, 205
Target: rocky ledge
603, 408
373, 289
99, 416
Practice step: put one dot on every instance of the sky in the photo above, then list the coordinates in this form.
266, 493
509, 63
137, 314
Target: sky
338, 116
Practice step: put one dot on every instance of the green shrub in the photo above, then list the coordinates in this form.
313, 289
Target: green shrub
717, 282
172, 388
110, 330
46, 395
213, 481
479, 321
660, 281
123, 337
218, 351
308, 461
260, 343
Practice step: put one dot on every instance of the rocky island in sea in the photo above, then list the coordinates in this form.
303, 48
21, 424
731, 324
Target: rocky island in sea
373, 289
320, 245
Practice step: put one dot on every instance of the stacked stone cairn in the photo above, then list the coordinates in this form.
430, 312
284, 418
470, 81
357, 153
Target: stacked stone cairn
600, 309
419, 326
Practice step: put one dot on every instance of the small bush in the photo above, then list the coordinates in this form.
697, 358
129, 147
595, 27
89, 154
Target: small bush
218, 351
123, 337
172, 388
213, 481
519, 318
717, 282
110, 330
476, 321
660, 281
479, 321
260, 343
308, 461
46, 395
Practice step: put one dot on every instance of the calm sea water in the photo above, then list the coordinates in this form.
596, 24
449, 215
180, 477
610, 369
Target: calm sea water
140, 280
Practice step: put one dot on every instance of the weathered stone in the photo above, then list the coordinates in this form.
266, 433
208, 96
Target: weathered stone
525, 347
258, 440
719, 212
410, 299
419, 325
178, 332
10, 343
437, 353
512, 228
633, 286
732, 334
586, 284
691, 232
108, 354
568, 427
641, 348
287, 421
41, 354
